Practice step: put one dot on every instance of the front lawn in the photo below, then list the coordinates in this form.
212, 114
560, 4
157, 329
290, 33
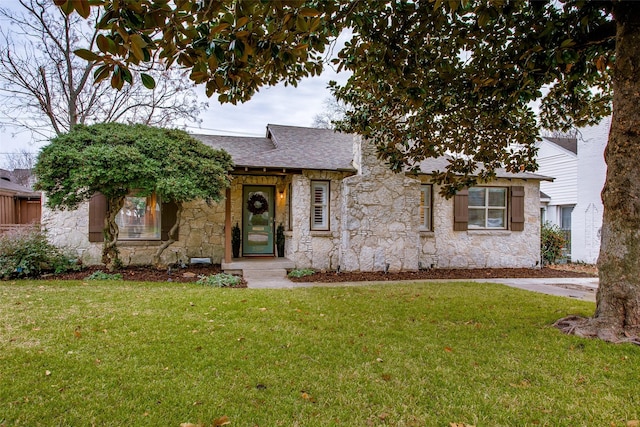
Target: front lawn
123, 353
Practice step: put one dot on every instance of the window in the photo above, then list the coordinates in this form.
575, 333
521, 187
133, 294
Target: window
139, 218
488, 207
425, 207
165, 214
319, 205
565, 217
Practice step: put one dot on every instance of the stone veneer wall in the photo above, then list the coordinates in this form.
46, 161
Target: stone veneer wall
380, 217
374, 221
309, 248
201, 228
445, 248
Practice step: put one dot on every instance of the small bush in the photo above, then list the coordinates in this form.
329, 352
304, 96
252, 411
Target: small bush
301, 272
552, 241
220, 280
27, 253
101, 275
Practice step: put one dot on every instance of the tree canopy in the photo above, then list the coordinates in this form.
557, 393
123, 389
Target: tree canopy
430, 77
115, 159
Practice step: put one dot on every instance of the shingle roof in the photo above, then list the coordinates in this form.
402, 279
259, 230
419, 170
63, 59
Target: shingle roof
569, 144
440, 163
288, 147
17, 189
293, 147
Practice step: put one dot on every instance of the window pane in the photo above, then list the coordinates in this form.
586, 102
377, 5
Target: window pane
497, 196
476, 196
496, 218
565, 220
476, 218
139, 218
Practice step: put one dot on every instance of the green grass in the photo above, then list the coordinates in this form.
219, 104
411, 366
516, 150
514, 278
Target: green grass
117, 353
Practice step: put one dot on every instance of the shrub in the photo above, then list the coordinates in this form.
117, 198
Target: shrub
552, 241
27, 253
301, 272
100, 275
220, 280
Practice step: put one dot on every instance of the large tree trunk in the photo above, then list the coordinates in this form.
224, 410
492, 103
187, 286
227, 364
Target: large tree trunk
110, 253
617, 316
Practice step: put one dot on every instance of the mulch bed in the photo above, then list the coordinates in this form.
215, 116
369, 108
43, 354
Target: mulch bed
192, 272
147, 273
445, 273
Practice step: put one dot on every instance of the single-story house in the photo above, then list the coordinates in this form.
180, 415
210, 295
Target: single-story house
341, 207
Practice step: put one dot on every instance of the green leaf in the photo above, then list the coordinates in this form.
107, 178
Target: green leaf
567, 43
86, 54
82, 7
148, 81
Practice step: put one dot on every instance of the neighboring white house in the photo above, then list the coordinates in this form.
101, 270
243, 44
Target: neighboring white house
573, 201
341, 207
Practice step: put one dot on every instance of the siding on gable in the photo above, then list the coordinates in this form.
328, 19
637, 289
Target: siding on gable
563, 166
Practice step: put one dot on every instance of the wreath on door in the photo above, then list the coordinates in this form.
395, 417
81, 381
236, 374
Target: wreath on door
257, 204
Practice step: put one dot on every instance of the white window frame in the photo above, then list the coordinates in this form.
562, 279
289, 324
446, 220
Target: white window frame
426, 199
320, 206
486, 208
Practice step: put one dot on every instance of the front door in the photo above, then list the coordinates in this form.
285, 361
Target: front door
257, 219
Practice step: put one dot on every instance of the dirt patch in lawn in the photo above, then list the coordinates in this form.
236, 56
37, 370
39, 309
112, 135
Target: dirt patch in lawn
447, 273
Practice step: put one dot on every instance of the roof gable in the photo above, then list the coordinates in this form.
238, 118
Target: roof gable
569, 144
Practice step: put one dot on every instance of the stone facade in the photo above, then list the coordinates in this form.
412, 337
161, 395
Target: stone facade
201, 228
446, 248
380, 217
374, 224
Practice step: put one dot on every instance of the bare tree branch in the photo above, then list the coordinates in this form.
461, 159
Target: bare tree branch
46, 89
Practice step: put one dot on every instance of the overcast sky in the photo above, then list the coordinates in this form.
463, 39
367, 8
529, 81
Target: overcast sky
295, 106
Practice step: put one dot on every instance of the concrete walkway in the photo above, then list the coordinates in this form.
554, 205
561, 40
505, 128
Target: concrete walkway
578, 288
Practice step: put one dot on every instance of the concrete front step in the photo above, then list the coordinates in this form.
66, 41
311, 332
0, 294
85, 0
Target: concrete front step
267, 274
242, 265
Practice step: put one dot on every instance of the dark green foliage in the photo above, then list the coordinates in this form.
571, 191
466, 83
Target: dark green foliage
301, 272
220, 280
552, 241
28, 253
114, 159
428, 77
100, 275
